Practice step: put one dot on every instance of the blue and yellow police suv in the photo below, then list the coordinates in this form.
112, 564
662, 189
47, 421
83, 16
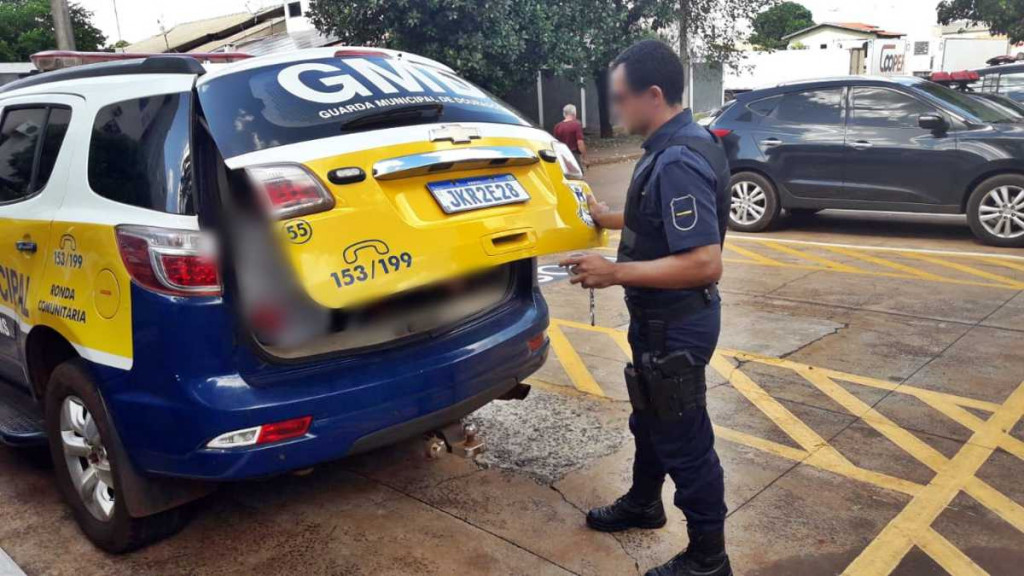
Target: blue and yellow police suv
220, 267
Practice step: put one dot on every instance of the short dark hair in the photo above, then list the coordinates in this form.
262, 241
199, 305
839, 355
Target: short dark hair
653, 63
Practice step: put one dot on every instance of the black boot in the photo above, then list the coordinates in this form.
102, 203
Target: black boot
705, 556
626, 513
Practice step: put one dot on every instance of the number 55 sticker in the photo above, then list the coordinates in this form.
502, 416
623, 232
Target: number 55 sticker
298, 231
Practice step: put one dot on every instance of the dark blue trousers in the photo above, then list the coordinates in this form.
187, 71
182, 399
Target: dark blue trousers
683, 449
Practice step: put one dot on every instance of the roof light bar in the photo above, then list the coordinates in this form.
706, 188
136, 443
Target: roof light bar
361, 53
57, 59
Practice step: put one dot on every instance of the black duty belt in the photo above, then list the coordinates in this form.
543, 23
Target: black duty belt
687, 304
654, 320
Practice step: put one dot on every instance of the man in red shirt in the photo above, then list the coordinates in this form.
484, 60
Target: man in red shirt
570, 132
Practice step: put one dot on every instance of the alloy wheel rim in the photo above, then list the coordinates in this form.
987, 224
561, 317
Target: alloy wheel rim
87, 459
749, 202
1001, 212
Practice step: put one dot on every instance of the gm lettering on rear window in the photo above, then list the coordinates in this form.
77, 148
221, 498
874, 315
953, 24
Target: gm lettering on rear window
299, 101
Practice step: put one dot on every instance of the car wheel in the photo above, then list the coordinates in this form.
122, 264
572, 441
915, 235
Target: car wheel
995, 211
754, 203
88, 461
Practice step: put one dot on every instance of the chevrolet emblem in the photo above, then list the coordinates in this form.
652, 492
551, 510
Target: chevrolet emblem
455, 133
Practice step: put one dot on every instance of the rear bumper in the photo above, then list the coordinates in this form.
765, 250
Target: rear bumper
165, 418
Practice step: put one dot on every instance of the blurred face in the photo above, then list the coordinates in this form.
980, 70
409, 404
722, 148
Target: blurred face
635, 110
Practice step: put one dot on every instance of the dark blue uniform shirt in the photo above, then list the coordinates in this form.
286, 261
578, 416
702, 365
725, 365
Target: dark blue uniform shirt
680, 196
680, 199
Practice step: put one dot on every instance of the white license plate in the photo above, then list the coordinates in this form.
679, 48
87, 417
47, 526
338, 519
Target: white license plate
475, 193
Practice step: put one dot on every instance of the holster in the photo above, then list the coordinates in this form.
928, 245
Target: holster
666, 386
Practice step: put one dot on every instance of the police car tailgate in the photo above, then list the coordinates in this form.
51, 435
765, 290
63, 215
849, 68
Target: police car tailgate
384, 171
416, 214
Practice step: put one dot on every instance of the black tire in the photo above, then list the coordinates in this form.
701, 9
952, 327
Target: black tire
1004, 229
755, 204
119, 532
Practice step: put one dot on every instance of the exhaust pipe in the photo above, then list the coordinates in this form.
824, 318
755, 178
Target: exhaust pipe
519, 392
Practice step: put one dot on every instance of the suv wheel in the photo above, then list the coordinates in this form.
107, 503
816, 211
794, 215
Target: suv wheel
995, 211
754, 203
88, 460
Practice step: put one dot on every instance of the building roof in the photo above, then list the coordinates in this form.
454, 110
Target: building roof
286, 42
850, 26
185, 37
231, 42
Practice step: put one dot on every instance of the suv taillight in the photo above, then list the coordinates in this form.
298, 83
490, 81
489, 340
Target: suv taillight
289, 190
175, 262
567, 161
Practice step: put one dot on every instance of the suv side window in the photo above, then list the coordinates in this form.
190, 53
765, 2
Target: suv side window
875, 107
764, 106
1011, 82
140, 153
821, 107
30, 139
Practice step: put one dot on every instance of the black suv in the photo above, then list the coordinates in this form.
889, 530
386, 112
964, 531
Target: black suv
891, 144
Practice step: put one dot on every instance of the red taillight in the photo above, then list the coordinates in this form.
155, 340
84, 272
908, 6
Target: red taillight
537, 342
176, 262
289, 190
189, 271
721, 132
279, 431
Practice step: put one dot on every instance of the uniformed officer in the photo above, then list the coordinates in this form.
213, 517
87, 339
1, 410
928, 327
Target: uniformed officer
669, 262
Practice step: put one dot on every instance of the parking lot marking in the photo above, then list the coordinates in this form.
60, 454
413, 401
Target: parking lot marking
872, 248
912, 526
754, 256
813, 258
887, 550
967, 269
884, 267
946, 555
1006, 263
571, 362
885, 263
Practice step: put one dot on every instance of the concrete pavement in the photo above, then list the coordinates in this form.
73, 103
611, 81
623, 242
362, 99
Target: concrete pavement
867, 397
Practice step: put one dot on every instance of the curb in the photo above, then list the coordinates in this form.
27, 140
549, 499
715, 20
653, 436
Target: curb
616, 158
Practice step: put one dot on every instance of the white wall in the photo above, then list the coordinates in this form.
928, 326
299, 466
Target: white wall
828, 36
300, 23
764, 69
969, 53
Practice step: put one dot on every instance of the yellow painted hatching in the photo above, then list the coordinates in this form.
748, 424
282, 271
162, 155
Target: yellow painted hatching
912, 526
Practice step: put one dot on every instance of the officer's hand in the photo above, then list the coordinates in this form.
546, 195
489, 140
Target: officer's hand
597, 209
591, 270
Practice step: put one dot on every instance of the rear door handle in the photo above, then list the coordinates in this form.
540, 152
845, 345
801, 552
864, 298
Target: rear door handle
771, 142
860, 145
26, 246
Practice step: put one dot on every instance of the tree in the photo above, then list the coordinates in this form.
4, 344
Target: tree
779, 21
593, 32
499, 44
711, 31
1001, 16
26, 27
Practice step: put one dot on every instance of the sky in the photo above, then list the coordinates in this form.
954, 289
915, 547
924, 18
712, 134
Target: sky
140, 18
912, 17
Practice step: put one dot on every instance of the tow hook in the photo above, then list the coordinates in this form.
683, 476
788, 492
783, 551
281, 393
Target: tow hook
458, 438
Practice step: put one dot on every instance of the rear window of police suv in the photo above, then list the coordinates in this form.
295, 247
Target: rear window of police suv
140, 153
292, 102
